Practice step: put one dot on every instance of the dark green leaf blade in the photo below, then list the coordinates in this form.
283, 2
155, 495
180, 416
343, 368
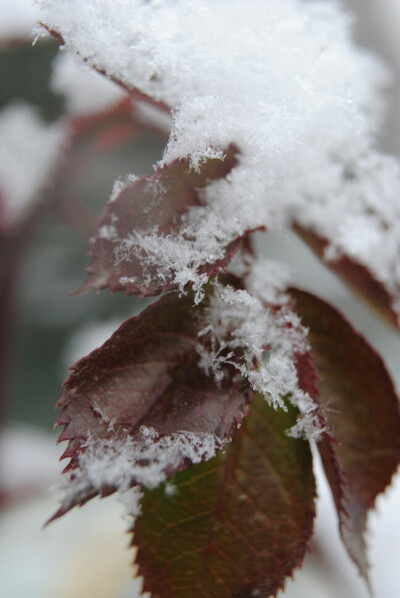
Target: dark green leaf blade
234, 526
360, 405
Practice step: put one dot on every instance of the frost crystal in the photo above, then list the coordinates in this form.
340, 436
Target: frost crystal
269, 340
118, 463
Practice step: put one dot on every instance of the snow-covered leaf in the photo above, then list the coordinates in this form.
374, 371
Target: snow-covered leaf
294, 165
142, 244
359, 403
357, 276
139, 408
236, 525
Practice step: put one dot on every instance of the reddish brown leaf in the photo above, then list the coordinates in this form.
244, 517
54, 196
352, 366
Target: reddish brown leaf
159, 201
105, 124
361, 407
146, 377
356, 276
113, 126
234, 526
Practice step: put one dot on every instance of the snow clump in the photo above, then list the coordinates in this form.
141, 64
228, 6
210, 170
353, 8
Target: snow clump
285, 82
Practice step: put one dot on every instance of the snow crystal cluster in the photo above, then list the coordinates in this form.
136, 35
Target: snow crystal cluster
270, 340
146, 460
29, 150
284, 82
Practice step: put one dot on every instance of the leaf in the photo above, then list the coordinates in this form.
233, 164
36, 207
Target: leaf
234, 526
157, 205
110, 127
357, 276
114, 126
361, 407
140, 392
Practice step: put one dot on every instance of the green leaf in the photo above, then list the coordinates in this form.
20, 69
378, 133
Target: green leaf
236, 525
360, 405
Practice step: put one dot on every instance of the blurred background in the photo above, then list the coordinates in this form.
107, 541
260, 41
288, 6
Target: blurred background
46, 330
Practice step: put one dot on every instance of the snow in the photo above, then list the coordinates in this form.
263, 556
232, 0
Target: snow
271, 338
29, 150
17, 18
116, 462
286, 83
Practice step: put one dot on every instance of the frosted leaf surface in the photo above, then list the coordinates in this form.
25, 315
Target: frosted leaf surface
268, 339
147, 459
28, 152
138, 408
286, 84
148, 239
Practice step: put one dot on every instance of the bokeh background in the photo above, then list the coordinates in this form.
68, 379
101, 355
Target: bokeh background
84, 555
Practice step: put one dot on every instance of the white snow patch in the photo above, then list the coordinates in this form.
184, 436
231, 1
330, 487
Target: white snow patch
29, 150
268, 339
130, 499
269, 280
119, 185
282, 80
116, 462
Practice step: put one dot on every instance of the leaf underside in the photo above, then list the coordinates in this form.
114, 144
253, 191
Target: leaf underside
146, 374
234, 526
357, 276
360, 405
152, 203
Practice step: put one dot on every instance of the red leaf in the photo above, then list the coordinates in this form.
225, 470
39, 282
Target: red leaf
356, 276
361, 407
236, 525
113, 126
162, 202
139, 389
104, 124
